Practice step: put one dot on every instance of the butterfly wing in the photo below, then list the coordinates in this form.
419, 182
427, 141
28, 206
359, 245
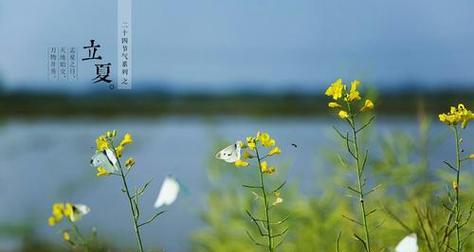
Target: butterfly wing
230, 154
168, 192
104, 159
407, 244
78, 211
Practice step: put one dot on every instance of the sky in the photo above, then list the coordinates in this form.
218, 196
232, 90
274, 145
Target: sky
227, 44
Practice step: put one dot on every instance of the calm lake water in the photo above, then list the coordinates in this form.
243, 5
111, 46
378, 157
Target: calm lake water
44, 161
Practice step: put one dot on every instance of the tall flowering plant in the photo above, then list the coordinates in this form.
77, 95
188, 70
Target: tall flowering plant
107, 161
256, 152
348, 104
457, 119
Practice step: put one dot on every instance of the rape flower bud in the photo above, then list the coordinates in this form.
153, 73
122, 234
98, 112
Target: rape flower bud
368, 105
66, 236
127, 139
278, 199
101, 171
334, 105
455, 185
265, 169
343, 114
247, 155
240, 163
274, 151
471, 156
129, 163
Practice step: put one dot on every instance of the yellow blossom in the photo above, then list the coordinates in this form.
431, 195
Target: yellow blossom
455, 185
251, 142
274, 151
66, 236
354, 93
334, 105
265, 139
119, 150
52, 221
343, 114
127, 139
459, 115
240, 163
101, 171
368, 105
265, 169
101, 143
129, 163
471, 156
335, 89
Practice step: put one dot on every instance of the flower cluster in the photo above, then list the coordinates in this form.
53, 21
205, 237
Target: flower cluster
107, 153
251, 151
73, 212
459, 115
338, 90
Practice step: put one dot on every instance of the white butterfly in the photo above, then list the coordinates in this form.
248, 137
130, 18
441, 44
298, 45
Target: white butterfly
78, 210
106, 159
231, 153
407, 244
168, 192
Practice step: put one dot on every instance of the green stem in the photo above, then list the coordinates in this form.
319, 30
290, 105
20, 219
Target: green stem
127, 191
456, 190
265, 201
79, 235
359, 184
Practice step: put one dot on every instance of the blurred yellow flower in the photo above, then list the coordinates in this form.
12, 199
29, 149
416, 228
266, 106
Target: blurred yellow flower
265, 169
343, 114
73, 212
247, 155
455, 185
334, 105
354, 93
101, 171
274, 151
119, 150
471, 156
368, 105
240, 163
459, 115
66, 236
129, 163
335, 89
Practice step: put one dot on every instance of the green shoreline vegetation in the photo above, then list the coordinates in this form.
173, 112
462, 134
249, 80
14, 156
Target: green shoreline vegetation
149, 104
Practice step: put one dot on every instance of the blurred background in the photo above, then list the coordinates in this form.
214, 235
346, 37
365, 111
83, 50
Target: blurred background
207, 73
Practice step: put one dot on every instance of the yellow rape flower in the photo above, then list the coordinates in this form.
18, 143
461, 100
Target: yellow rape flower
368, 105
265, 139
240, 163
251, 142
459, 115
335, 89
129, 163
471, 156
334, 105
343, 114
274, 151
266, 169
353, 93
127, 139
101, 171
101, 143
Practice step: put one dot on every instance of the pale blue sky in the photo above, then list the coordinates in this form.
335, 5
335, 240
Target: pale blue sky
217, 44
